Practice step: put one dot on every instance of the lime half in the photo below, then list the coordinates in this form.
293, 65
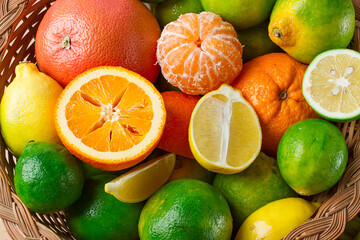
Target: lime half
331, 85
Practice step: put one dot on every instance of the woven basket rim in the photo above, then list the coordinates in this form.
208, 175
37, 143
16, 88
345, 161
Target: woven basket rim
20, 223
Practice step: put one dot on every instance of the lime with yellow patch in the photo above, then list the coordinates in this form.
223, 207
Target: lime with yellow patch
331, 85
224, 131
242, 14
305, 28
186, 209
276, 219
312, 156
256, 186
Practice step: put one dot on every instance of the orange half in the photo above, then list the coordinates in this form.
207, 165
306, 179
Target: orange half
110, 117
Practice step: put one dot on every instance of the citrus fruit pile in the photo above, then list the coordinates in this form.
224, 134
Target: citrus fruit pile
181, 119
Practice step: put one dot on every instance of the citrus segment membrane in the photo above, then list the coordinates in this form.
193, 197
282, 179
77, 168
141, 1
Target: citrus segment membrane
225, 133
332, 84
141, 182
110, 117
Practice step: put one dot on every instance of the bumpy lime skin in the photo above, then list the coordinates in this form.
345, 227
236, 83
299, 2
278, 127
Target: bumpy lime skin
47, 177
186, 209
98, 215
312, 156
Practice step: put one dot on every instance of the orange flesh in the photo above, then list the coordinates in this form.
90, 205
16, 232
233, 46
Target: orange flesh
109, 113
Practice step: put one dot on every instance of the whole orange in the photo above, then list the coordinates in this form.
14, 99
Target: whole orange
76, 35
179, 107
272, 84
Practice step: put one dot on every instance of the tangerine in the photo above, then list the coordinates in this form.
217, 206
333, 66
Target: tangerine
199, 52
272, 84
76, 35
179, 107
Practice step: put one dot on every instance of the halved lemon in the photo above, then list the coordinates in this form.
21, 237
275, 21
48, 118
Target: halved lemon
110, 117
142, 181
331, 85
224, 131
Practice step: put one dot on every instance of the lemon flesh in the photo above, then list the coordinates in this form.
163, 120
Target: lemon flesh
276, 219
141, 182
224, 131
331, 85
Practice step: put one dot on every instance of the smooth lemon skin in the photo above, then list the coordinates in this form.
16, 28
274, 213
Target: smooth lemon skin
306, 28
27, 108
276, 219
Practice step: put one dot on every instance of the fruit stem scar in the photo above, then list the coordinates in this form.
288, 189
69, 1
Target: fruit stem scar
277, 33
66, 43
284, 95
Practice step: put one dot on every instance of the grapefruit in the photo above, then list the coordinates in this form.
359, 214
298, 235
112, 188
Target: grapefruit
76, 35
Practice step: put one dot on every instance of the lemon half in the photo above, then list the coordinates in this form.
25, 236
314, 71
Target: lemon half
224, 131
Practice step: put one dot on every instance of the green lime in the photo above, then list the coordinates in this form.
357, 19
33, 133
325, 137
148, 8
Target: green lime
190, 168
99, 215
186, 209
242, 14
256, 42
312, 156
171, 10
305, 28
258, 185
47, 177
154, 1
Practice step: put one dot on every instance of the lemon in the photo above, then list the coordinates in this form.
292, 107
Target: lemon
305, 28
141, 182
27, 108
331, 85
224, 131
276, 219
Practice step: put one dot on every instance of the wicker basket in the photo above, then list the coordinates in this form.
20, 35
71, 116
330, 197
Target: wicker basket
19, 20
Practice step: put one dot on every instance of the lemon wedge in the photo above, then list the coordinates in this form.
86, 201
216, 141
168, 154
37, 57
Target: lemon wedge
331, 85
142, 181
224, 131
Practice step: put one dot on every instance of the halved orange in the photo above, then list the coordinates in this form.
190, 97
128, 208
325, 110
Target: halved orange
110, 117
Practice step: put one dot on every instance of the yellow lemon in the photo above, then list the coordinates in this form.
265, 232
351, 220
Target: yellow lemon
276, 219
224, 131
27, 108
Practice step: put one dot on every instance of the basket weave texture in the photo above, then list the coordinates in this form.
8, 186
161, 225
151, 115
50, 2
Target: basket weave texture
19, 20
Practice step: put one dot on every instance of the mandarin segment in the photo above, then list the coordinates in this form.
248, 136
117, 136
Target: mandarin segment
199, 52
110, 117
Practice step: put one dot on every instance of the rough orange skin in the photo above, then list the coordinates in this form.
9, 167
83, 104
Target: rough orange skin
179, 107
272, 84
112, 33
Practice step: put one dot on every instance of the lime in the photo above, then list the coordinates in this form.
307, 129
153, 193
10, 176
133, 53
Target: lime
27, 108
186, 209
190, 168
142, 181
256, 42
153, 1
331, 85
256, 186
276, 219
171, 10
312, 156
98, 215
241, 14
305, 28
224, 131
47, 177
